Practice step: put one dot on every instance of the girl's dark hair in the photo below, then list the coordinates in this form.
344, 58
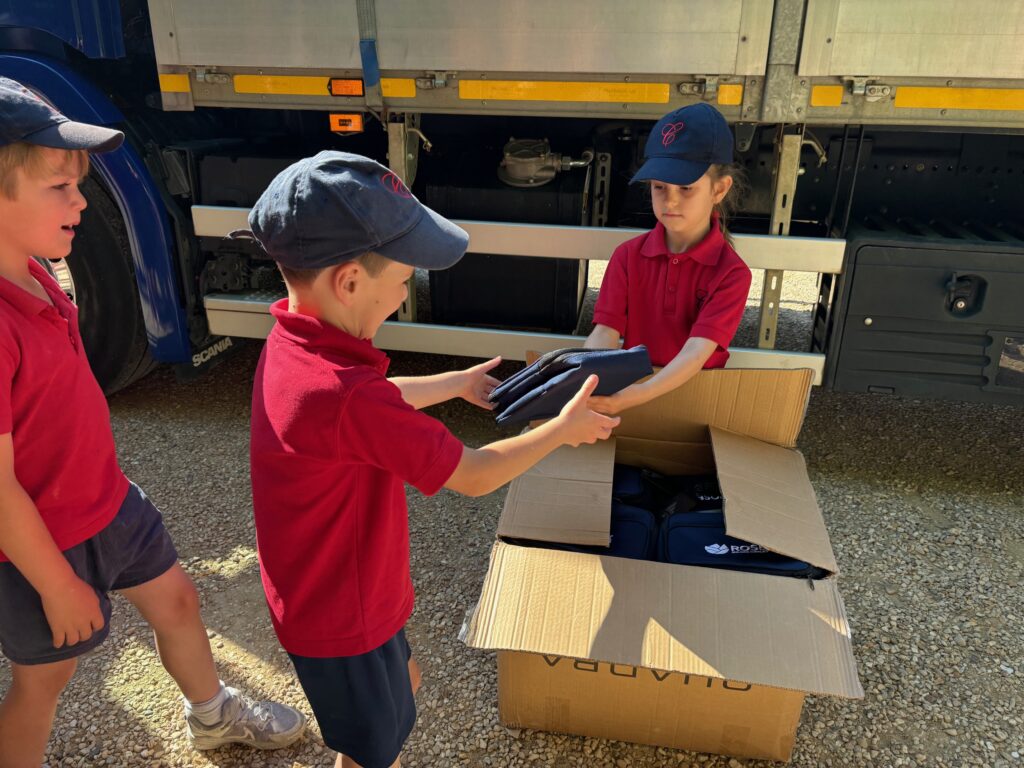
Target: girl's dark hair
730, 203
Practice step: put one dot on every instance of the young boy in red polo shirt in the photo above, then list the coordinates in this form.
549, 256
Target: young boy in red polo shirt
72, 527
334, 442
680, 288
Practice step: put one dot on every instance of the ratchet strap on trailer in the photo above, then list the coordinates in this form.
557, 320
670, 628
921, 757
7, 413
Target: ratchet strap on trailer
368, 53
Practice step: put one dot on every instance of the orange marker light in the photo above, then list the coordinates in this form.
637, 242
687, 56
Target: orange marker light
346, 123
340, 87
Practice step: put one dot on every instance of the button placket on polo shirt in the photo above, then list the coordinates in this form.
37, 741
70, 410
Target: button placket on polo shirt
672, 268
54, 316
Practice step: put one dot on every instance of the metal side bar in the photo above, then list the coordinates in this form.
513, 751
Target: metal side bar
792, 254
248, 316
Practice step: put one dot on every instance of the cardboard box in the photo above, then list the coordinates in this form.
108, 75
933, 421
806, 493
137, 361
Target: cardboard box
677, 656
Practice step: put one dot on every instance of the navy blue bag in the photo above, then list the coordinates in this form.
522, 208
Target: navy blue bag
694, 493
698, 538
634, 534
540, 390
629, 486
665, 494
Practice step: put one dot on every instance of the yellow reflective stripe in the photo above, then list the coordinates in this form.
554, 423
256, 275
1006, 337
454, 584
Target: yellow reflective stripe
283, 85
827, 96
293, 85
730, 95
398, 87
553, 90
922, 97
174, 83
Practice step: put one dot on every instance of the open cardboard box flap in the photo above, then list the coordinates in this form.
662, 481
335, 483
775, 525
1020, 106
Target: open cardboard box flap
765, 404
566, 497
769, 499
764, 630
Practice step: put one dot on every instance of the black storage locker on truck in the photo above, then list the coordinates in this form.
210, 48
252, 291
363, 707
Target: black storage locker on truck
922, 316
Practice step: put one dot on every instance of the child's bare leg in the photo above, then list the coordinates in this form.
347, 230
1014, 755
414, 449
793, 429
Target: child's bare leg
26, 713
215, 715
171, 606
415, 677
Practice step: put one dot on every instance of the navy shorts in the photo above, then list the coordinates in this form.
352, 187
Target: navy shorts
364, 704
133, 549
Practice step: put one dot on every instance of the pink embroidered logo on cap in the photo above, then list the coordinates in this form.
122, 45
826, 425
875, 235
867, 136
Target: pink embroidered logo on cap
670, 131
394, 184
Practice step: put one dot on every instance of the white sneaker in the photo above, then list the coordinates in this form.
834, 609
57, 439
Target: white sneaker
259, 724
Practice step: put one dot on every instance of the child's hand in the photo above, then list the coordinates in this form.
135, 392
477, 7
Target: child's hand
477, 385
582, 425
622, 400
73, 613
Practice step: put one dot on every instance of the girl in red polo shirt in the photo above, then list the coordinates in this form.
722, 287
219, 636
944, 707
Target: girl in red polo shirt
680, 289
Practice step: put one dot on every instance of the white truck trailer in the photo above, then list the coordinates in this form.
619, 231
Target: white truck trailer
882, 142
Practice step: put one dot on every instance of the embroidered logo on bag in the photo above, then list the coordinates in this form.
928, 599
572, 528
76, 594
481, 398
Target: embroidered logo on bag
394, 184
736, 549
670, 131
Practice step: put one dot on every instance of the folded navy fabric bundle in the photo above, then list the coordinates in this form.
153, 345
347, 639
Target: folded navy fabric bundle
540, 390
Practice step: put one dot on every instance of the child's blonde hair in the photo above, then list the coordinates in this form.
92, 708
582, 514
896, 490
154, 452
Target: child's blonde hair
371, 261
35, 162
730, 203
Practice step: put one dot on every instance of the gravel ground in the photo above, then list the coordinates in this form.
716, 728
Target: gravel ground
923, 501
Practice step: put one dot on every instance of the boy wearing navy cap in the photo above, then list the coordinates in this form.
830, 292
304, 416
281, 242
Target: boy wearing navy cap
334, 442
72, 526
680, 289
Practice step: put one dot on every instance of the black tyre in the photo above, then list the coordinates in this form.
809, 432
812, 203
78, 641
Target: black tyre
100, 278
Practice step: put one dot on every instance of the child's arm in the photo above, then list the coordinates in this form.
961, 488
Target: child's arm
483, 470
687, 362
602, 337
473, 384
71, 606
715, 325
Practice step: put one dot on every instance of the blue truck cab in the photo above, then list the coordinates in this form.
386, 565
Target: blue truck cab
123, 272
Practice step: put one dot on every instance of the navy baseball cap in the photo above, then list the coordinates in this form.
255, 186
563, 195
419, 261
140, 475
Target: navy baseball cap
684, 144
336, 206
26, 117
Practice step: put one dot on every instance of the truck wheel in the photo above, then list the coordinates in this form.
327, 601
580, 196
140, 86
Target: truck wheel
99, 277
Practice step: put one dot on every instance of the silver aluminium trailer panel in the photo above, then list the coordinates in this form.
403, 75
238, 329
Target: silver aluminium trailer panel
915, 62
980, 39
577, 57
881, 62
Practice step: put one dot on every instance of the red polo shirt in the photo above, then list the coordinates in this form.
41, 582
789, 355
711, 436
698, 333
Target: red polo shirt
56, 414
333, 444
661, 299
